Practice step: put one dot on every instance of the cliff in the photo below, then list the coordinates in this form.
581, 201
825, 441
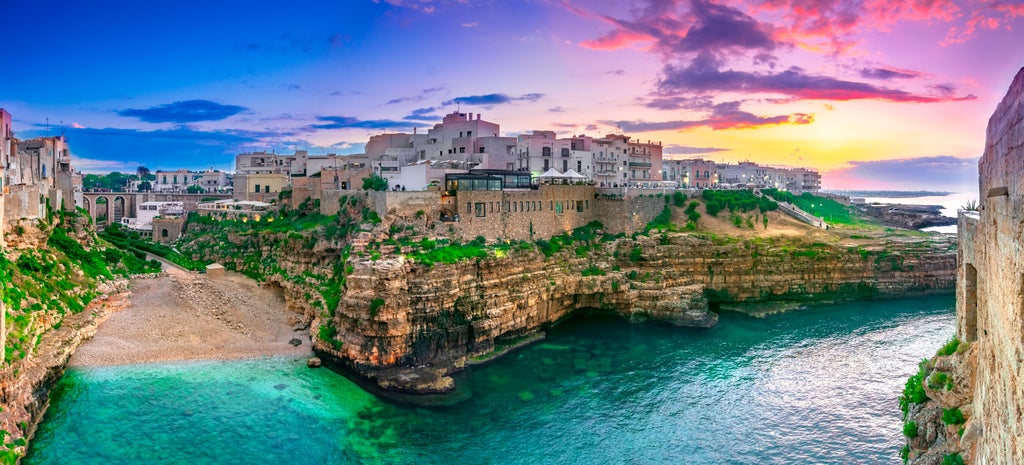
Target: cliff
407, 311
56, 286
982, 402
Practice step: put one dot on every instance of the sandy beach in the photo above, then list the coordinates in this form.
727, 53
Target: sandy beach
187, 316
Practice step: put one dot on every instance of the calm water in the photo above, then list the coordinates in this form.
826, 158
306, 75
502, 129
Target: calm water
813, 386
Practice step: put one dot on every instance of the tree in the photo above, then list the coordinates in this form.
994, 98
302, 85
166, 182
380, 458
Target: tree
194, 189
375, 183
145, 186
143, 172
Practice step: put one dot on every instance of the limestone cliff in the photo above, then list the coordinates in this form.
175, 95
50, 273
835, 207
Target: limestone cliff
988, 377
408, 322
444, 315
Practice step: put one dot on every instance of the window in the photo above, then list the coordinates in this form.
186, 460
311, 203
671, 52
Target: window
565, 165
469, 207
257, 188
163, 233
481, 209
546, 165
462, 150
558, 207
545, 151
469, 133
579, 206
565, 152
482, 149
579, 166
266, 188
515, 207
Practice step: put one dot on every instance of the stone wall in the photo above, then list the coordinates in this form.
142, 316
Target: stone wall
992, 272
524, 214
628, 215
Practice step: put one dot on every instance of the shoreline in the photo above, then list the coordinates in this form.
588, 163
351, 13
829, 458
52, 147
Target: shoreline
185, 317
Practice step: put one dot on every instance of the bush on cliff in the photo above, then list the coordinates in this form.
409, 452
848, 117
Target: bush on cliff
952, 416
913, 391
949, 348
910, 429
953, 459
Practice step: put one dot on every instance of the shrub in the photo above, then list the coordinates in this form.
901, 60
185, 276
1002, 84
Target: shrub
913, 392
592, 270
910, 430
375, 183
678, 199
940, 380
952, 416
326, 333
949, 348
952, 459
375, 306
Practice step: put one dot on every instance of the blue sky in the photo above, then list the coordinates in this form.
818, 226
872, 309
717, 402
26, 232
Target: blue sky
855, 89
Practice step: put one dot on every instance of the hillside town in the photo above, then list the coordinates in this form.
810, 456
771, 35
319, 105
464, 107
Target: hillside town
461, 161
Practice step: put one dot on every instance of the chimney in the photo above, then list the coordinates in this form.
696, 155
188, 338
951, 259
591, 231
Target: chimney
478, 116
471, 116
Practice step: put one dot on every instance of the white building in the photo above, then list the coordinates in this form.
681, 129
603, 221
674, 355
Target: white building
181, 180
143, 223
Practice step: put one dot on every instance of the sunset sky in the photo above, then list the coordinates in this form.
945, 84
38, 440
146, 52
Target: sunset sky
874, 93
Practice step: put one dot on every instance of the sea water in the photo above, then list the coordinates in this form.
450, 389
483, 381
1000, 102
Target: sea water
950, 203
818, 385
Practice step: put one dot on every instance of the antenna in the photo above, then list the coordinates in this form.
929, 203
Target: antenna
47, 126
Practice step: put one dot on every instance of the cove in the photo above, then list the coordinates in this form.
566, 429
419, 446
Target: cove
817, 385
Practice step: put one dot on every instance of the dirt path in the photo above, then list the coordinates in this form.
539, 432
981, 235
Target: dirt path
185, 316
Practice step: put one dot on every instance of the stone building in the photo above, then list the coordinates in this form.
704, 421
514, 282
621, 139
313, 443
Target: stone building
990, 291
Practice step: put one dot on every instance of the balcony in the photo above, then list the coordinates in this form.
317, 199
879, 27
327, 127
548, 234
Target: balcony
639, 164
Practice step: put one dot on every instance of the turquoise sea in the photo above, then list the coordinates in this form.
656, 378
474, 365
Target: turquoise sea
812, 386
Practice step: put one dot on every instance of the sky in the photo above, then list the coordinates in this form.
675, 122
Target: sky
876, 94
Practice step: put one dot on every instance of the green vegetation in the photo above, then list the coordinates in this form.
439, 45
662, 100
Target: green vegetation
678, 199
949, 348
913, 391
326, 333
905, 453
592, 270
952, 459
952, 416
137, 246
45, 284
375, 183
910, 429
940, 380
375, 306
451, 253
739, 201
823, 207
636, 254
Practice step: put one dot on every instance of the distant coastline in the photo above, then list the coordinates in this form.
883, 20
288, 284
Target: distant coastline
893, 194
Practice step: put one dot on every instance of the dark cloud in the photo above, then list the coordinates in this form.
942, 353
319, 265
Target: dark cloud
888, 73
940, 172
718, 27
675, 149
700, 102
423, 114
188, 111
345, 122
725, 115
556, 110
703, 74
617, 72
492, 99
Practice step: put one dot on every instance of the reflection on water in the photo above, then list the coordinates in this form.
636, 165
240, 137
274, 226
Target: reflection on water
813, 386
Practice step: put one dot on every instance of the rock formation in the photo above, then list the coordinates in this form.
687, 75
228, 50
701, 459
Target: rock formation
987, 372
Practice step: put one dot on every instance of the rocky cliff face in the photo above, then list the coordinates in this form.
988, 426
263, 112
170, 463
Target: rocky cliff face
444, 315
989, 376
408, 324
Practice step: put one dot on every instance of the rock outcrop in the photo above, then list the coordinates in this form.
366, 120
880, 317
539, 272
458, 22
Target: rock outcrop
988, 378
445, 315
408, 324
906, 216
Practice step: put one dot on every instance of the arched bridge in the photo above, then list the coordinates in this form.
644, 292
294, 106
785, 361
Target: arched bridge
109, 207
